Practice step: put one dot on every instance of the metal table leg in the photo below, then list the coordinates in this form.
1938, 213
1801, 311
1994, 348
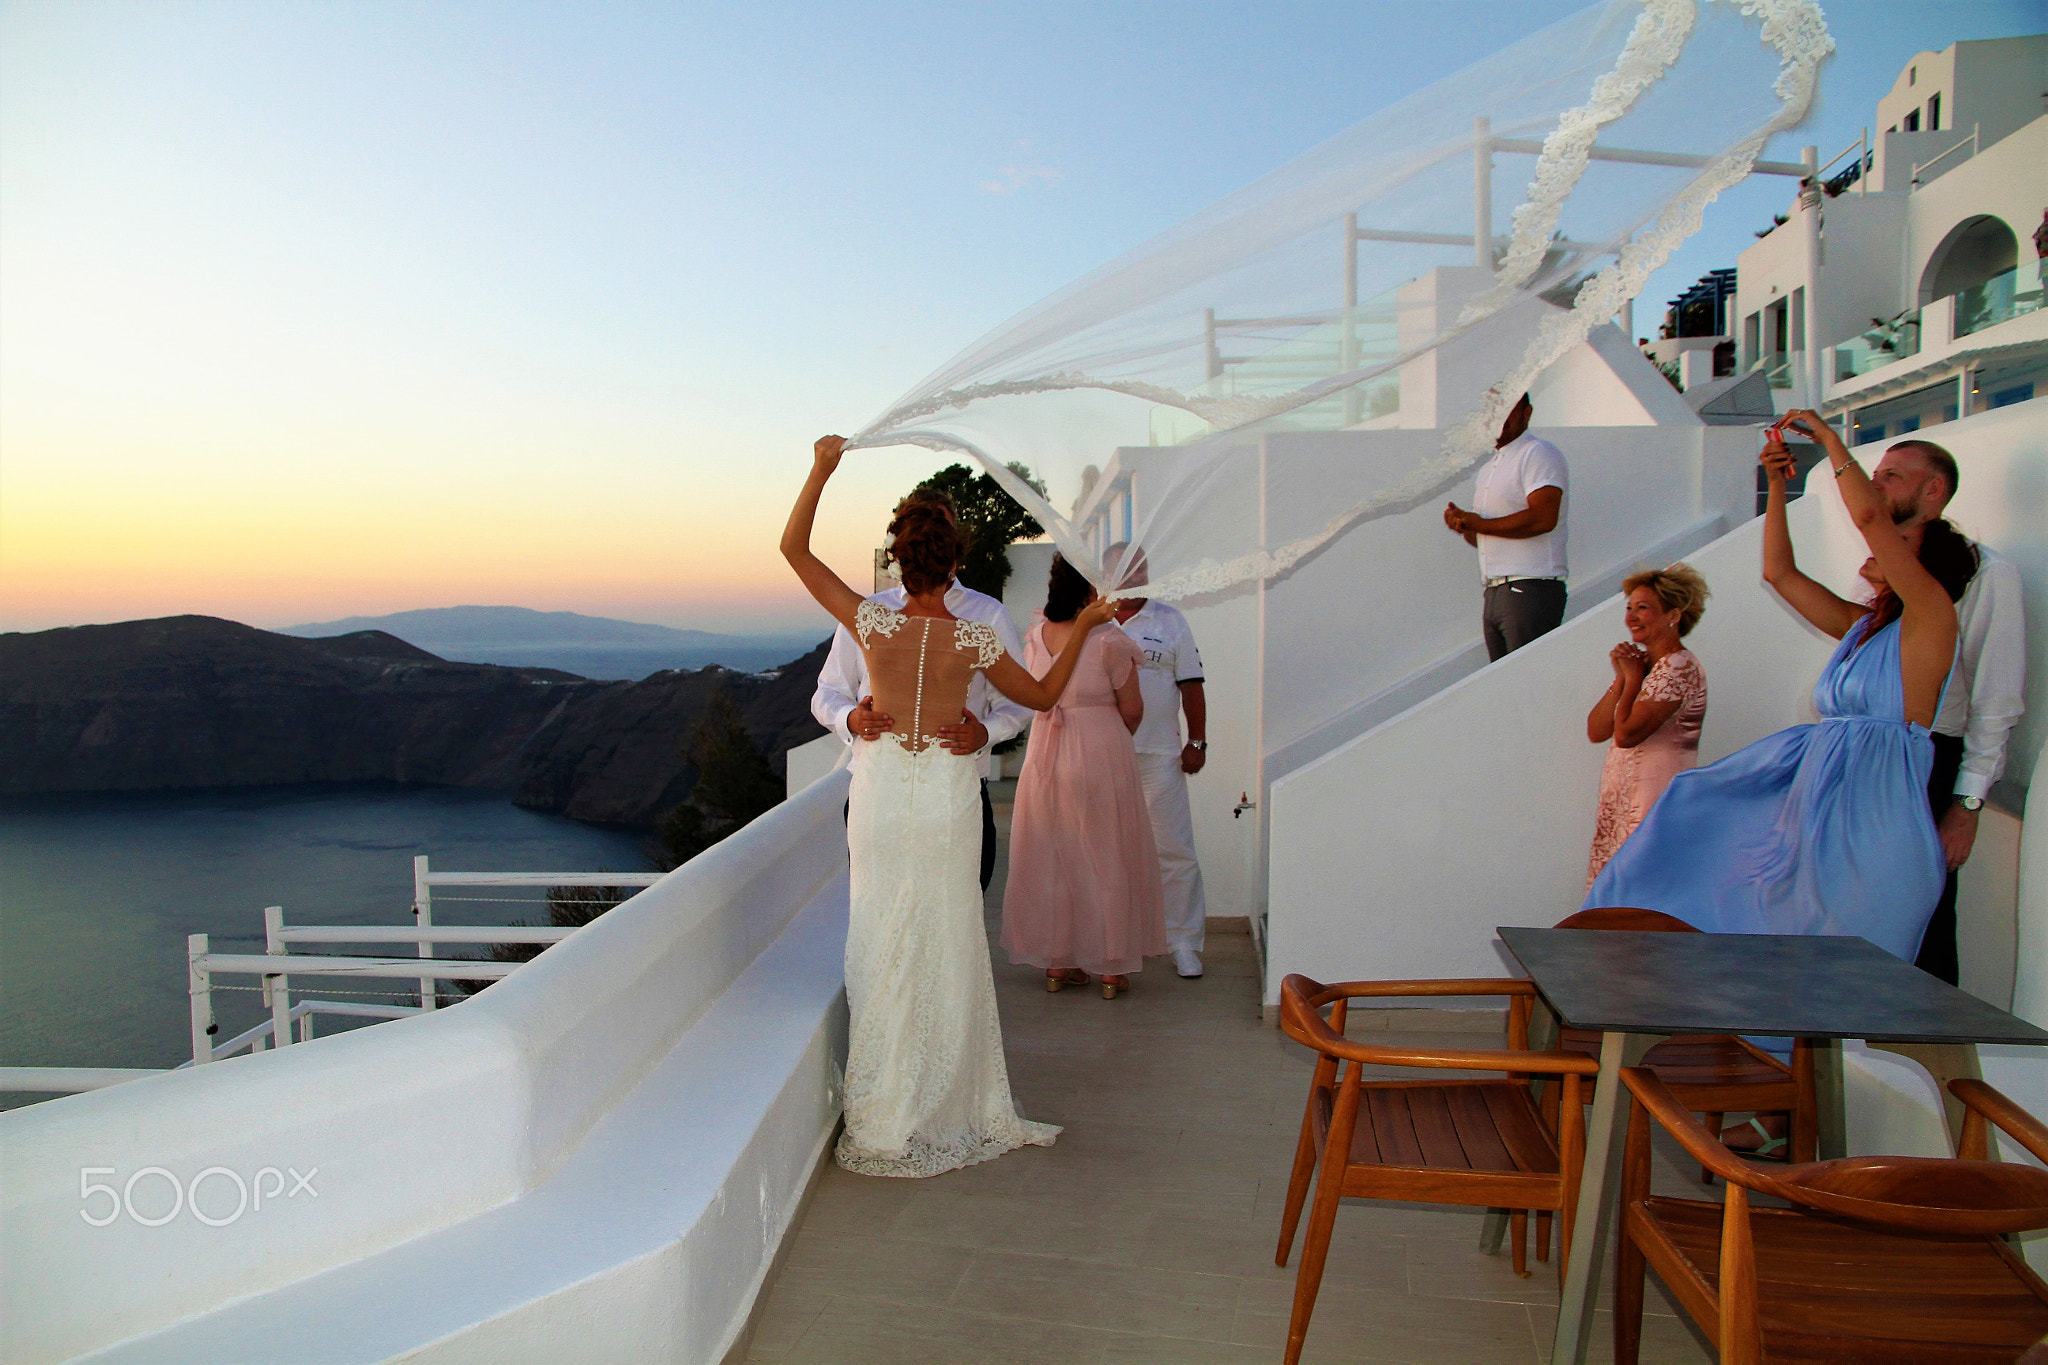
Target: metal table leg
1590, 1222
1827, 1097
1945, 1062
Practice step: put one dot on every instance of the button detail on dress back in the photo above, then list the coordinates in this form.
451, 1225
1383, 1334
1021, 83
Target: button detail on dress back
917, 706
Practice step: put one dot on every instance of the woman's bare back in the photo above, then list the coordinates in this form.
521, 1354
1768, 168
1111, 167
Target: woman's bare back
920, 667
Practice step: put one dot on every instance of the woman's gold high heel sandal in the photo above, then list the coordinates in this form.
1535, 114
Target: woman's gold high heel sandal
1113, 984
1072, 976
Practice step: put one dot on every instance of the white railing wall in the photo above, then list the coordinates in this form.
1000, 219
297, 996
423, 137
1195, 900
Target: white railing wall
414, 1127
806, 763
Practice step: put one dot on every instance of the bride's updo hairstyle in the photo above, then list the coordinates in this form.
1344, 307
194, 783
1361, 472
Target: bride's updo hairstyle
1066, 592
924, 544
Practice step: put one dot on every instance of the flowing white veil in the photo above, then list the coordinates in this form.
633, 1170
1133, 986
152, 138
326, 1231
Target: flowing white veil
1136, 394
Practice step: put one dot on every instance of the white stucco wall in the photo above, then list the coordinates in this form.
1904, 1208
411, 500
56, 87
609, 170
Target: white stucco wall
1389, 613
2022, 1072
811, 761
627, 1122
1397, 854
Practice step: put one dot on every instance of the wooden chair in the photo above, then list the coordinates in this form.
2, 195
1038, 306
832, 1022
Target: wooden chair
1883, 1258
1479, 1142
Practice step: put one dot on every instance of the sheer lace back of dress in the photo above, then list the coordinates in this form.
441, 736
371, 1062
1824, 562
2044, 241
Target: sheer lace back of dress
920, 667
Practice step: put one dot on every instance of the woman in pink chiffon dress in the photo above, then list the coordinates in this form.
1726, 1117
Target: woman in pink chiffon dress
1653, 710
1084, 894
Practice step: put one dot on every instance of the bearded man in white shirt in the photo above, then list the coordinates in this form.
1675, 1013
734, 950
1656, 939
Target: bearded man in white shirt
1171, 683
843, 705
1517, 523
1984, 697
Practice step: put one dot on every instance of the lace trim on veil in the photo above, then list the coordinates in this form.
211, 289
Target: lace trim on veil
1795, 29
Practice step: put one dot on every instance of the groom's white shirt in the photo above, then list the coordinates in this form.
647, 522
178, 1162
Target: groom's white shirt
843, 681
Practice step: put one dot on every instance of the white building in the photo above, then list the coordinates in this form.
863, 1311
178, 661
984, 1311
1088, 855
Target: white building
1917, 283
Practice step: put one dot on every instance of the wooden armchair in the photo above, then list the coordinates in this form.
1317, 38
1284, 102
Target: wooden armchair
1884, 1258
1479, 1142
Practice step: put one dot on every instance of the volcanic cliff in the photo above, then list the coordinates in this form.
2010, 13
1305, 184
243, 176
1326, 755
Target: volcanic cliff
194, 701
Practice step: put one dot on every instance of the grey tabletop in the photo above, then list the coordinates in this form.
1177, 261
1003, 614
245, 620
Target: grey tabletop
1773, 984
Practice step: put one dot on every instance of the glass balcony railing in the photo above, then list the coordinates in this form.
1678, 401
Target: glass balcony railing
2005, 296
1777, 369
1277, 357
1878, 347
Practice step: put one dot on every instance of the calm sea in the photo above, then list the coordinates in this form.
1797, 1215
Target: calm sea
97, 894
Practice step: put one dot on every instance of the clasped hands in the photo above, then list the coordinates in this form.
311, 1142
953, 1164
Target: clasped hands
1629, 660
968, 736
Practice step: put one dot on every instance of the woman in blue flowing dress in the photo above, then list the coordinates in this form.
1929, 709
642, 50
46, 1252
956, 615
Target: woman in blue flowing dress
1821, 829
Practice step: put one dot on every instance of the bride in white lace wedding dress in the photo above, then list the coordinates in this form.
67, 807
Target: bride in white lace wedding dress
926, 1087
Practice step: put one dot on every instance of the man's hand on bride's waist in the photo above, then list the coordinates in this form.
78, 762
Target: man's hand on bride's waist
865, 722
967, 737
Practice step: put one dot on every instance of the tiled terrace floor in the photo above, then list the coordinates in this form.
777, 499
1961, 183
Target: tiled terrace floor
1146, 1234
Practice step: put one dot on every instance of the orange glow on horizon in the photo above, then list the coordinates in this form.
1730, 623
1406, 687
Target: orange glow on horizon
314, 540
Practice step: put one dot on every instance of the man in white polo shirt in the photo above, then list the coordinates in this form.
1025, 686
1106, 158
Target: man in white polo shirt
1171, 683
1517, 521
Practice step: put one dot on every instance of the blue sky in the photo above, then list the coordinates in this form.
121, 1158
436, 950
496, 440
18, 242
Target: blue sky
320, 309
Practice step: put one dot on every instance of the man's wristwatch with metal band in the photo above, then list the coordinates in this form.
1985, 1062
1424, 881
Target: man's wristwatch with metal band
1972, 804
1201, 746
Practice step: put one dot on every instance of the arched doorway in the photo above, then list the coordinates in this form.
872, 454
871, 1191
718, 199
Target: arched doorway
1974, 250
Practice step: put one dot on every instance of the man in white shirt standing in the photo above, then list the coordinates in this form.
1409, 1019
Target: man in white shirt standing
1517, 522
1984, 697
842, 705
1171, 683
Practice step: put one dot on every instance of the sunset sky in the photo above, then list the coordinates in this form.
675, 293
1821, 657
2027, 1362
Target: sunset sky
314, 310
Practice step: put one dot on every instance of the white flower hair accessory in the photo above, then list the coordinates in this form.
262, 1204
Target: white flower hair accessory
888, 540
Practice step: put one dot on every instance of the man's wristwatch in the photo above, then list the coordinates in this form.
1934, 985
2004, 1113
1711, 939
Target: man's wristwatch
1972, 804
1201, 746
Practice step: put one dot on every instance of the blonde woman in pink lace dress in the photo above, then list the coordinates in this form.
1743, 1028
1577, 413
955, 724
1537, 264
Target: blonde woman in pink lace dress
1651, 714
1084, 893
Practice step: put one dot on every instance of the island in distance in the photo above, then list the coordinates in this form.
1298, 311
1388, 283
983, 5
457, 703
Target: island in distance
588, 646
186, 702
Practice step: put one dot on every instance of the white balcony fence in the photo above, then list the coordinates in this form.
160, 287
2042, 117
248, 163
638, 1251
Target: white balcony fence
594, 1159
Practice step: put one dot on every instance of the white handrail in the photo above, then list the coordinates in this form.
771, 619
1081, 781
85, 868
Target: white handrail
313, 964
276, 965
541, 878
1855, 146
425, 879
447, 933
303, 1012
1971, 140
1532, 147
69, 1080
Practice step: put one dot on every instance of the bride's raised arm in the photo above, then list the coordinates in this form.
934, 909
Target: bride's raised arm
828, 587
1014, 681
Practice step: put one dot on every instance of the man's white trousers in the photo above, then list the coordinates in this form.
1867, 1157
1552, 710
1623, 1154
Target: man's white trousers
1173, 829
